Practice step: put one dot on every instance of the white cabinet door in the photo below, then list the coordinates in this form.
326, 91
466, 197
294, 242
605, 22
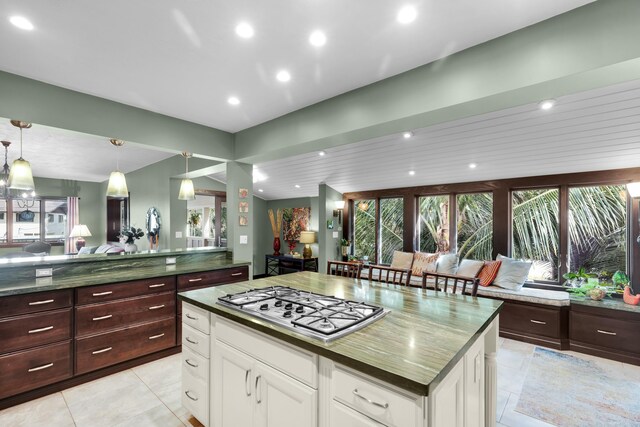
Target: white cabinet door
446, 404
474, 385
282, 401
233, 387
344, 416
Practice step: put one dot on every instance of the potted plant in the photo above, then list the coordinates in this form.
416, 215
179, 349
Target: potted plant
576, 279
128, 237
344, 244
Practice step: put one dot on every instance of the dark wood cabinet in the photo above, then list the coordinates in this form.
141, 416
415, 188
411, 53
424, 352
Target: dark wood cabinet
33, 330
36, 302
212, 278
117, 291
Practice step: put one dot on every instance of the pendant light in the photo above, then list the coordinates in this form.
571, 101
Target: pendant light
117, 183
20, 176
187, 191
4, 177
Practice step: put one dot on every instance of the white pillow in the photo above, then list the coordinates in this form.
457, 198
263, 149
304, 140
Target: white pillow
402, 260
512, 273
469, 267
447, 263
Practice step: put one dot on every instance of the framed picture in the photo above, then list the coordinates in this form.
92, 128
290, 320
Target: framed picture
329, 224
244, 220
243, 207
243, 193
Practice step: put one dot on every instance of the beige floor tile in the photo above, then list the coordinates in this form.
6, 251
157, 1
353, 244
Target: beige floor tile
512, 418
160, 373
170, 395
631, 371
87, 391
48, 411
158, 416
511, 379
503, 397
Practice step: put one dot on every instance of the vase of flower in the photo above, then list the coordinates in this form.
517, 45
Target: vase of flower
276, 246
128, 237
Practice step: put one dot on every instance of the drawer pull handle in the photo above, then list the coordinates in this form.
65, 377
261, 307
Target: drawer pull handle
156, 307
101, 294
190, 316
108, 316
538, 322
195, 280
192, 342
153, 337
35, 331
247, 386
157, 285
258, 399
104, 350
380, 405
46, 301
606, 332
193, 365
189, 396
39, 368
236, 274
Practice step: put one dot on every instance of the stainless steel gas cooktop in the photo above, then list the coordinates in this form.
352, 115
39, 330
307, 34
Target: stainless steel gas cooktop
311, 314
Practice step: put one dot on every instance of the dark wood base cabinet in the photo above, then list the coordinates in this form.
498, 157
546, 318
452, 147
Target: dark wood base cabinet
53, 340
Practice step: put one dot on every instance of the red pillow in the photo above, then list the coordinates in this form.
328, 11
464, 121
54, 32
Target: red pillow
489, 272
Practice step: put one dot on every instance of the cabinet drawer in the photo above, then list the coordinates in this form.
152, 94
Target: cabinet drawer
196, 318
375, 400
114, 347
530, 320
31, 330
30, 369
613, 334
342, 415
195, 397
209, 278
33, 303
195, 364
102, 293
97, 318
195, 340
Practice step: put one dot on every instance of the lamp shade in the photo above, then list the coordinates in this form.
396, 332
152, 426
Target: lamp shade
117, 185
634, 189
307, 237
339, 204
80, 230
20, 176
186, 190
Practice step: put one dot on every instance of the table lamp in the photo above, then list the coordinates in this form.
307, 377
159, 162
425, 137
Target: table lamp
79, 231
307, 237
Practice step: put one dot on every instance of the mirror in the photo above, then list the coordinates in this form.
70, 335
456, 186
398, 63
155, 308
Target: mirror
153, 224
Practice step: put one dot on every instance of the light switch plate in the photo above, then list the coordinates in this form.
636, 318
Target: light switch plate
244, 240
335, 234
178, 234
44, 272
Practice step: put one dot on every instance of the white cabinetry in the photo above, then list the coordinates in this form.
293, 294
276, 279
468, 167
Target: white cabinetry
248, 392
474, 378
195, 361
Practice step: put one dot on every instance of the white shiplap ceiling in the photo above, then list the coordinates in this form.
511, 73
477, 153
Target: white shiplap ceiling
182, 58
593, 130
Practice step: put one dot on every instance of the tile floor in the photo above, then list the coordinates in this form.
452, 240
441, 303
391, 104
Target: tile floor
149, 395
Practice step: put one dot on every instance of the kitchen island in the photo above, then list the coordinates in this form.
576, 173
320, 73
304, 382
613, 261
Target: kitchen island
430, 361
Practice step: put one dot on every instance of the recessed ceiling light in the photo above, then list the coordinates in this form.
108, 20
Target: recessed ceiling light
412, 173
407, 14
21, 22
233, 100
408, 134
472, 165
261, 190
321, 153
297, 186
244, 30
283, 76
547, 104
317, 38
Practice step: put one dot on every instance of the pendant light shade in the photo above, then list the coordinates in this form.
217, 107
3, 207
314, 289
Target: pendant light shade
187, 192
20, 176
117, 182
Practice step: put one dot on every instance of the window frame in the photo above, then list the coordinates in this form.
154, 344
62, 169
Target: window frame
42, 223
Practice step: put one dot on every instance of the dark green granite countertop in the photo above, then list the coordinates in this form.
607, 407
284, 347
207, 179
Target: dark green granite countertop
608, 303
99, 276
413, 347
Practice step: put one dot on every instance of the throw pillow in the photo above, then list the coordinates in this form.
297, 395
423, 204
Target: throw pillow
512, 273
402, 260
469, 267
423, 261
447, 263
489, 272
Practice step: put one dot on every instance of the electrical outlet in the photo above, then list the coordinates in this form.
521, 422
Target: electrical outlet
44, 272
335, 234
244, 240
170, 260
178, 234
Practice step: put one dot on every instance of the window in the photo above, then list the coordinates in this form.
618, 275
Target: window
56, 212
26, 224
535, 231
3, 221
598, 228
433, 223
364, 230
25, 221
391, 228
475, 225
